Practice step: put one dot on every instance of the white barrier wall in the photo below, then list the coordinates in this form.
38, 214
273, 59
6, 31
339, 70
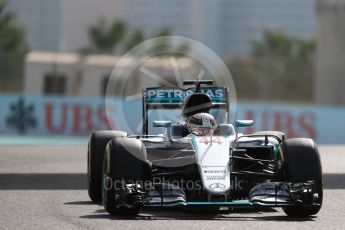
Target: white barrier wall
80, 116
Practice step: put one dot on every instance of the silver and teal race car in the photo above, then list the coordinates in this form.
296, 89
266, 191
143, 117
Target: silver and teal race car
201, 160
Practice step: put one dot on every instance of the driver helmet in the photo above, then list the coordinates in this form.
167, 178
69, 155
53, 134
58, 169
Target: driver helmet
202, 124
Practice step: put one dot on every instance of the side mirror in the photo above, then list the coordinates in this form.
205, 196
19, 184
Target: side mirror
161, 124
244, 123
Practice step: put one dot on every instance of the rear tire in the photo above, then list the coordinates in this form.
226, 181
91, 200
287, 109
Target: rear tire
97, 142
125, 159
301, 164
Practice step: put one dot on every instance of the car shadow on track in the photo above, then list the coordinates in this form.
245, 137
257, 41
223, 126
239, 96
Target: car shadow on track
86, 202
268, 214
43, 181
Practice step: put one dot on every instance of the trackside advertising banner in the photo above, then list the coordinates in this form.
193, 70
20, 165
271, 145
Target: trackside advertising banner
51, 115
30, 115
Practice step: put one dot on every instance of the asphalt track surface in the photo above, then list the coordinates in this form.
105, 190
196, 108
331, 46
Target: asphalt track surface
44, 187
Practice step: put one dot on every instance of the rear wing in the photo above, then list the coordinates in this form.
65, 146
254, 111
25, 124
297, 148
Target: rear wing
173, 98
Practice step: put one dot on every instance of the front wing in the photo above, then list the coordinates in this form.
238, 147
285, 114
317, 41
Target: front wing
271, 194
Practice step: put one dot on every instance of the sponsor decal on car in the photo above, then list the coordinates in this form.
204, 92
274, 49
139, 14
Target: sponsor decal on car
174, 95
217, 186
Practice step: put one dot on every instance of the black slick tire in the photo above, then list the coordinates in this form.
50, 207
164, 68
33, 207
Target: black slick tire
301, 164
96, 146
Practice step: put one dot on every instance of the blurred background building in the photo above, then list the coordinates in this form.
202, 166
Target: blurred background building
330, 61
68, 74
226, 26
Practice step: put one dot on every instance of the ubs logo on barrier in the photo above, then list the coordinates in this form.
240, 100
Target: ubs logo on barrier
21, 116
50, 115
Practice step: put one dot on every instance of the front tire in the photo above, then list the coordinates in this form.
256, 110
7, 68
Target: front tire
125, 160
301, 164
96, 146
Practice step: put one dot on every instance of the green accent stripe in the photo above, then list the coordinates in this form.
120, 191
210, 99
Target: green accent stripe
166, 205
194, 143
235, 203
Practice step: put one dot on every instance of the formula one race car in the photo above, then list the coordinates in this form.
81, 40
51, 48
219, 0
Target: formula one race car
202, 161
